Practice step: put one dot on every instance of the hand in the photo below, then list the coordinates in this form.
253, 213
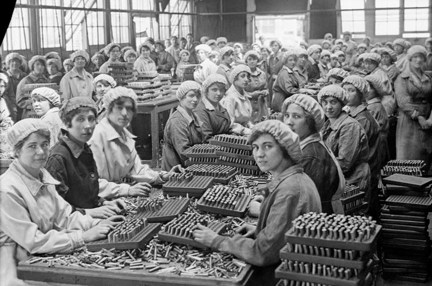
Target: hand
415, 114
140, 189
424, 124
117, 205
101, 212
254, 208
247, 230
204, 235
100, 231
177, 169
112, 221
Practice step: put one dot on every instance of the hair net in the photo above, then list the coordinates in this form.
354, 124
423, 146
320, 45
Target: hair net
221, 40
117, 92
372, 57
187, 86
335, 91
145, 44
252, 53
109, 47
325, 42
184, 52
237, 70
23, 128
225, 50
68, 62
313, 48
361, 45
48, 93
416, 49
358, 82
309, 104
75, 103
34, 59
56, 62
375, 82
390, 52
400, 42
211, 42
282, 134
13, 56
106, 77
325, 53
204, 47
128, 53
339, 41
80, 53
337, 72
211, 79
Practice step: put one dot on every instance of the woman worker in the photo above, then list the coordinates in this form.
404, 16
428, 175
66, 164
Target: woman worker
413, 90
183, 128
305, 117
102, 84
237, 101
35, 219
345, 137
291, 193
213, 116
112, 50
113, 148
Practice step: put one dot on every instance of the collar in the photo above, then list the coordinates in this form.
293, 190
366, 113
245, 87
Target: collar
374, 100
294, 169
54, 75
232, 89
187, 116
354, 111
337, 123
35, 77
207, 103
406, 73
75, 146
257, 72
112, 134
33, 184
74, 73
315, 137
287, 69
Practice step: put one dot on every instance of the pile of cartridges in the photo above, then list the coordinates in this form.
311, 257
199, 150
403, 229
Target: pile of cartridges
235, 151
405, 239
353, 200
406, 167
121, 72
202, 154
328, 250
155, 210
180, 230
224, 200
186, 184
221, 174
150, 88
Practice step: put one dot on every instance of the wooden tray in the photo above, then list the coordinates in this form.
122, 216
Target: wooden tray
170, 209
417, 203
358, 263
217, 227
230, 145
406, 180
233, 155
238, 211
138, 241
240, 166
340, 244
196, 187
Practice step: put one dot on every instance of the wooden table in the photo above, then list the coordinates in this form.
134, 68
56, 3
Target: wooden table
154, 107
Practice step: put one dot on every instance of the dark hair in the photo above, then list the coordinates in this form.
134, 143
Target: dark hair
237, 76
121, 101
219, 85
310, 121
252, 56
257, 134
18, 146
67, 117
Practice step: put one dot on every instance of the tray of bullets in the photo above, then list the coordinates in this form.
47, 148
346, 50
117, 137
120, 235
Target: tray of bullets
352, 199
187, 184
156, 210
321, 274
334, 231
224, 200
230, 141
180, 230
130, 234
221, 174
239, 163
202, 160
412, 202
412, 182
202, 151
121, 72
235, 153
405, 167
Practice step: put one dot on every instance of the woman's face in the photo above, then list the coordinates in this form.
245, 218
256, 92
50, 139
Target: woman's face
190, 100
398, 49
201, 55
344, 48
3, 87
354, 96
361, 50
101, 89
326, 46
52, 69
291, 62
34, 153
267, 153
228, 59
40, 105
386, 59
295, 118
369, 65
82, 125
67, 68
252, 62
341, 59
264, 53
334, 62
183, 43
334, 80
332, 107
185, 57
14, 64
242, 80
145, 52
80, 62
131, 58
417, 61
215, 93
325, 59
256, 48
38, 67
237, 50
121, 115
275, 47
114, 54
316, 55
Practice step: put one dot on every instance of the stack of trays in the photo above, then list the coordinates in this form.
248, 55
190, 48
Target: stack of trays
406, 167
236, 152
353, 200
329, 249
180, 230
202, 154
121, 72
221, 174
187, 185
405, 238
224, 200
151, 88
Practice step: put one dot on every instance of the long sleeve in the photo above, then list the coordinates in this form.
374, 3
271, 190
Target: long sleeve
230, 105
402, 96
65, 89
23, 99
180, 139
206, 126
349, 146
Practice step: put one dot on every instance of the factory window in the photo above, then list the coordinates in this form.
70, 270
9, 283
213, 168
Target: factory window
353, 19
387, 21
416, 18
142, 5
50, 27
120, 27
95, 28
18, 33
175, 24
